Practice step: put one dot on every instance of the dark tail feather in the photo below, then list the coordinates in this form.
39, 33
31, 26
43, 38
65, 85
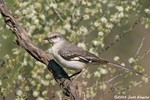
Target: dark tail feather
125, 68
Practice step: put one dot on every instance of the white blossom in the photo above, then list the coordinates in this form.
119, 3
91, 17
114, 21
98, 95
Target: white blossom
25, 4
104, 1
83, 2
147, 11
46, 29
36, 21
127, 8
146, 26
24, 11
86, 16
100, 33
96, 24
103, 71
46, 8
38, 5
48, 76
82, 45
42, 17
88, 76
44, 92
120, 15
103, 20
117, 37
34, 74
97, 74
35, 93
83, 29
89, 4
45, 82
133, 3
53, 5
111, 5
27, 88
25, 62
95, 42
114, 18
84, 83
123, 64
116, 58
19, 92
86, 10
16, 12
119, 8
103, 86
131, 60
20, 77
78, 12
145, 79
67, 26
109, 25
92, 51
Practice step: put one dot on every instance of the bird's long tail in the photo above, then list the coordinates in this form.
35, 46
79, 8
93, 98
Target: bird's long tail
123, 67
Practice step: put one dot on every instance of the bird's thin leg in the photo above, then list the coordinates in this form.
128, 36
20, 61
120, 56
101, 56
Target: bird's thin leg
78, 72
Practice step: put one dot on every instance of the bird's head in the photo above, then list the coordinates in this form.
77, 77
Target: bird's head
54, 38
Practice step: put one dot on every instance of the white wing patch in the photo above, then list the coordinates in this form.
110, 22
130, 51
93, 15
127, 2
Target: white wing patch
85, 59
75, 58
81, 58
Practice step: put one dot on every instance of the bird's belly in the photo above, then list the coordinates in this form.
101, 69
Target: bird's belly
73, 65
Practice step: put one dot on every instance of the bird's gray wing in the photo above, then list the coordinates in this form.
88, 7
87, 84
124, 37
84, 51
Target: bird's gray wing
72, 52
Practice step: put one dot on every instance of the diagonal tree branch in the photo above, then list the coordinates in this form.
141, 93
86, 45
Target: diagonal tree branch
69, 88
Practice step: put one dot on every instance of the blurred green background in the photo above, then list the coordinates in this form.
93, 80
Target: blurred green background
92, 25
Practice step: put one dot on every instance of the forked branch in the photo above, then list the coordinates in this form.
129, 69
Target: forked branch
69, 88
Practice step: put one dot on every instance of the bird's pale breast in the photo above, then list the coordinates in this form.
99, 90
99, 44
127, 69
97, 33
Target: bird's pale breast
73, 65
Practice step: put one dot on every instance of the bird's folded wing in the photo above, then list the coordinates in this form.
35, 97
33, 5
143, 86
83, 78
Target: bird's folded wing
72, 52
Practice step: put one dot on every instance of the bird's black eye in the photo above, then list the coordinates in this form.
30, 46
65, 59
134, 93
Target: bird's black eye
54, 36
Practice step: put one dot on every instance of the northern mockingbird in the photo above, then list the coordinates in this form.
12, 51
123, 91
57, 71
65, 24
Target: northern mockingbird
72, 57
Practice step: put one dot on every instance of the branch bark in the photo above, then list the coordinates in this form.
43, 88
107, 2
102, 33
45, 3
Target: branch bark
69, 88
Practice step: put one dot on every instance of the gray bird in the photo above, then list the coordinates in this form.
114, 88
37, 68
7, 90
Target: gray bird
72, 57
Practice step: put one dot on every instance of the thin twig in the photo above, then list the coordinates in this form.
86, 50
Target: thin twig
120, 37
113, 78
138, 50
141, 82
72, 13
146, 53
58, 14
117, 83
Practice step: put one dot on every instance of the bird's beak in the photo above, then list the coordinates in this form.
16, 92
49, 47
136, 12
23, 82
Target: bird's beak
45, 38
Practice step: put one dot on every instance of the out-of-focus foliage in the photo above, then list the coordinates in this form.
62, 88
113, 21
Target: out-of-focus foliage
86, 23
